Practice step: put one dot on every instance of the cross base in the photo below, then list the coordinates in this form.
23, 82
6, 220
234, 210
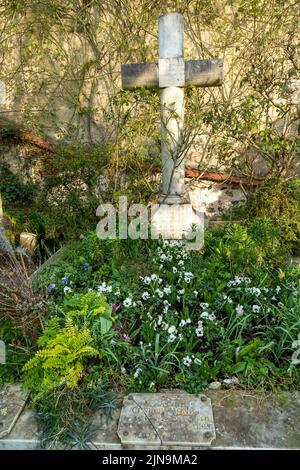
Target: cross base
175, 222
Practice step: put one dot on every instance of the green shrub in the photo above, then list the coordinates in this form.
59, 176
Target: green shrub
279, 201
73, 186
13, 189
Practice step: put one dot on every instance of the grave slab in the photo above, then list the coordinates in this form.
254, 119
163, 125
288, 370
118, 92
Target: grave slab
12, 402
244, 419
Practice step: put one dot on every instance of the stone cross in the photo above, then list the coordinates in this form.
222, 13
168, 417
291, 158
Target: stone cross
171, 75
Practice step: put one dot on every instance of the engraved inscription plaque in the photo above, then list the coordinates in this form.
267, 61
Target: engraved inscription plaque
166, 419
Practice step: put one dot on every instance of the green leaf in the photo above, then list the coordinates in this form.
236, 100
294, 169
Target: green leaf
105, 325
239, 367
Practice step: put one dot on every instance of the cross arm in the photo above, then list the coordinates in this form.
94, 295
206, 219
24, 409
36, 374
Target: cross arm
201, 73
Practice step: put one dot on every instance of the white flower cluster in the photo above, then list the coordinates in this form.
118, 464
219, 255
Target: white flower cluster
253, 290
208, 316
186, 276
104, 288
171, 251
239, 280
151, 279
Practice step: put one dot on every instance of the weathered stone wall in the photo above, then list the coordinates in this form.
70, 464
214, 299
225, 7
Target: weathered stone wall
63, 85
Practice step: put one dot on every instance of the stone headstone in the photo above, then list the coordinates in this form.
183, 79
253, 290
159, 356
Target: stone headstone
166, 419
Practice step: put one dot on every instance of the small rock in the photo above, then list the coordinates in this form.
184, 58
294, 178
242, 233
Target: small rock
214, 385
231, 381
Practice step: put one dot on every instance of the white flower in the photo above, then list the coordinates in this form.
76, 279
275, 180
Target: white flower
188, 277
172, 329
195, 293
180, 262
182, 322
145, 295
137, 372
181, 291
199, 329
159, 293
174, 269
167, 290
212, 317
123, 370
67, 290
255, 308
280, 305
278, 289
295, 360
117, 292
159, 320
154, 277
147, 280
204, 305
239, 310
187, 361
171, 338
296, 343
149, 316
204, 315
127, 302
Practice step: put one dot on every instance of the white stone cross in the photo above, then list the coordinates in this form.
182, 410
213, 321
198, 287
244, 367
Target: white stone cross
171, 74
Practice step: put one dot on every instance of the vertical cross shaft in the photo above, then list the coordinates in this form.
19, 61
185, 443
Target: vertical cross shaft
171, 75
171, 82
